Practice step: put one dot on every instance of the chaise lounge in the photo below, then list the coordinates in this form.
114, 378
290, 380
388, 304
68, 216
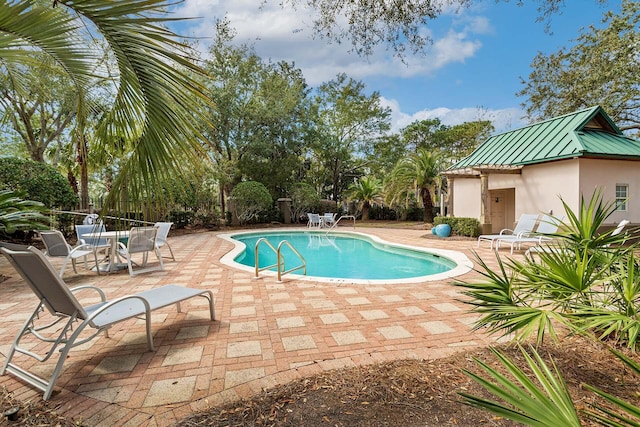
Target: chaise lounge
60, 301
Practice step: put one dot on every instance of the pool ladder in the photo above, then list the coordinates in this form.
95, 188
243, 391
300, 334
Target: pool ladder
280, 263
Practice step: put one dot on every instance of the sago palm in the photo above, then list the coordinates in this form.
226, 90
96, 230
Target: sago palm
155, 110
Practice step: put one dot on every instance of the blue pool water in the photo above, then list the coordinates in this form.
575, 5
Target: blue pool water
343, 256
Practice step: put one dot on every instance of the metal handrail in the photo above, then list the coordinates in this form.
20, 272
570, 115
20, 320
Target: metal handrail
335, 224
295, 251
280, 259
277, 264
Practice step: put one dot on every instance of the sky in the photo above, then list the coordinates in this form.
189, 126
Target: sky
472, 70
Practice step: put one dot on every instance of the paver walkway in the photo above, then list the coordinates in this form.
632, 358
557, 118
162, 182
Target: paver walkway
266, 333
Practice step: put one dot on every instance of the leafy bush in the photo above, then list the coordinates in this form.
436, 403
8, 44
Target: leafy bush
181, 218
250, 198
37, 181
460, 226
304, 198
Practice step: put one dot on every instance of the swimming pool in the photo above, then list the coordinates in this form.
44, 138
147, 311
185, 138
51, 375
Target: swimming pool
347, 256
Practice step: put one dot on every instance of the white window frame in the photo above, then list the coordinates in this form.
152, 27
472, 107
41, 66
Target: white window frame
622, 199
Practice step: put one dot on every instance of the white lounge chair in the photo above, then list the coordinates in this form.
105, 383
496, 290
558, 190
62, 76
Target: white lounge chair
558, 249
57, 247
142, 240
548, 225
60, 301
161, 238
523, 228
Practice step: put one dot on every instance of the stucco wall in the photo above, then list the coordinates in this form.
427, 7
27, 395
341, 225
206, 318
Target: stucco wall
538, 187
605, 174
466, 197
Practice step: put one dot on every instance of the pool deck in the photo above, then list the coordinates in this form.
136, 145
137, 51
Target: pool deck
266, 333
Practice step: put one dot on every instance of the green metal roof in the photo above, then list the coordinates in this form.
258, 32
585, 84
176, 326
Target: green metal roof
585, 133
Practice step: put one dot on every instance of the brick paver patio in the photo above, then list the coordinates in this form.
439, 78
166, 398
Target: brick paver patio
266, 333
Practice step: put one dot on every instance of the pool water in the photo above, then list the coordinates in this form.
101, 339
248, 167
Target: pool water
343, 256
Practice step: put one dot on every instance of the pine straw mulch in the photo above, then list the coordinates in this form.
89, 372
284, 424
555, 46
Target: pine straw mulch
400, 393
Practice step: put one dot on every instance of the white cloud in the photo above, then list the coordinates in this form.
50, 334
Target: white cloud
502, 119
279, 33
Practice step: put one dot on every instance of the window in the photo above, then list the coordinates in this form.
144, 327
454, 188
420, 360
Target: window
622, 194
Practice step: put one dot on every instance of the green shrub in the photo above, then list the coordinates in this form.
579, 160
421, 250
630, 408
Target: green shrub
181, 218
304, 199
250, 199
460, 226
37, 181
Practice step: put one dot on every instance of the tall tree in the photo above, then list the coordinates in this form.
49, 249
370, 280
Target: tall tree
258, 116
40, 106
397, 24
348, 122
156, 103
602, 68
420, 173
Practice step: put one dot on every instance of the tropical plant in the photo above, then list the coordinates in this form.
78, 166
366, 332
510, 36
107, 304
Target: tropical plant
19, 215
587, 281
365, 191
547, 402
250, 199
153, 115
417, 173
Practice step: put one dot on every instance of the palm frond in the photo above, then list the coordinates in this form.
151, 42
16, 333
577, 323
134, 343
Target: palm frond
545, 403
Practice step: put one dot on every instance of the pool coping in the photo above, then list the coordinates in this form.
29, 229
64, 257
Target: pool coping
463, 263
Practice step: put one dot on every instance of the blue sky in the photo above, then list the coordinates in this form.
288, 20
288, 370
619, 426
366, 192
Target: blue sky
472, 71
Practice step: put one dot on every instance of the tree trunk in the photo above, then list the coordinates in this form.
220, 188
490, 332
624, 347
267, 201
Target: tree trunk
365, 211
427, 202
84, 172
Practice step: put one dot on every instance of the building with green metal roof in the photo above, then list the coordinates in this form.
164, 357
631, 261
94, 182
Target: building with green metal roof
527, 170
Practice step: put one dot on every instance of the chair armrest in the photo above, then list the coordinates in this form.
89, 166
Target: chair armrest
506, 231
103, 297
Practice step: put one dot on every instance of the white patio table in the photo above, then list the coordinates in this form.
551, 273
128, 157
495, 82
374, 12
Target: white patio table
115, 262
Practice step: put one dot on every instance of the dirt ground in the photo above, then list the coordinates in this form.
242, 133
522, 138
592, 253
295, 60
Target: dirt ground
401, 393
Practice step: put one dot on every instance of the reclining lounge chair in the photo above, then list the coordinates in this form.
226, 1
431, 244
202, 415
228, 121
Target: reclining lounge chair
523, 228
56, 298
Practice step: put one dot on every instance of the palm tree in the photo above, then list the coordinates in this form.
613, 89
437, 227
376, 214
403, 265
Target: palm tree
419, 172
366, 191
154, 114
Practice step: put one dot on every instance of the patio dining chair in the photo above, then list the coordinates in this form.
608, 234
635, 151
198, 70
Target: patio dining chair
161, 238
329, 219
71, 318
314, 220
57, 247
142, 240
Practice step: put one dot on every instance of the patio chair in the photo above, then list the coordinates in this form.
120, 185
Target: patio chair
57, 247
98, 243
329, 219
61, 303
161, 238
314, 220
558, 249
523, 228
142, 240
546, 228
